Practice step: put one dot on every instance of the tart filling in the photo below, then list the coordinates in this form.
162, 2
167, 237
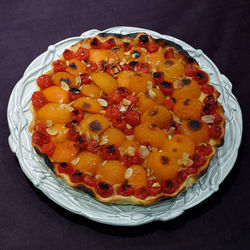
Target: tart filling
127, 118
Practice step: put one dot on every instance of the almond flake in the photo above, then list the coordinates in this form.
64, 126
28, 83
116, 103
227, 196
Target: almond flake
131, 151
92, 95
103, 112
178, 84
149, 83
122, 63
128, 173
60, 101
171, 132
208, 118
96, 137
152, 94
102, 102
70, 109
143, 152
75, 161
126, 102
67, 62
123, 109
143, 49
64, 86
51, 131
78, 80
130, 137
104, 140
87, 136
157, 87
156, 184
127, 53
49, 123
104, 162
128, 126
149, 171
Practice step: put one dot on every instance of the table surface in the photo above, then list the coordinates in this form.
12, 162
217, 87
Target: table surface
29, 220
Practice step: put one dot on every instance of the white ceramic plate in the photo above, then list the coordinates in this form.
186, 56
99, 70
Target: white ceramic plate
77, 202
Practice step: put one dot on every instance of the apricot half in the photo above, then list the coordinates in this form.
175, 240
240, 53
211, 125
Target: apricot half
147, 132
57, 113
55, 94
114, 136
163, 165
178, 144
138, 176
88, 162
88, 104
188, 109
157, 115
112, 172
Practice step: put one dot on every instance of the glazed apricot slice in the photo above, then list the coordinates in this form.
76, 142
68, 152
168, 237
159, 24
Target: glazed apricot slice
105, 82
112, 172
188, 109
60, 133
98, 55
75, 67
94, 125
114, 136
146, 100
178, 144
88, 162
163, 165
88, 104
135, 82
136, 176
197, 130
57, 113
129, 147
155, 59
187, 88
55, 94
65, 151
91, 90
65, 77
157, 115
173, 69
147, 132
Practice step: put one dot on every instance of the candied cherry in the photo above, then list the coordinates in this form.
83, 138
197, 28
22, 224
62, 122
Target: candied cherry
77, 114
110, 152
154, 187
152, 47
215, 131
65, 168
82, 54
44, 81
96, 43
169, 104
68, 54
133, 117
170, 186
38, 99
41, 138
85, 78
125, 189
74, 93
59, 66
119, 123
141, 193
169, 54
104, 189
113, 113
48, 148
126, 46
126, 160
207, 89
109, 44
82, 142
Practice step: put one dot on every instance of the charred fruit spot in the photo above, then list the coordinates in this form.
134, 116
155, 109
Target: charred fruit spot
136, 54
77, 173
94, 41
104, 185
111, 148
164, 160
153, 112
169, 184
125, 44
95, 126
200, 74
143, 39
166, 84
72, 66
206, 107
156, 74
64, 164
76, 111
169, 63
185, 82
186, 102
65, 80
75, 90
133, 63
172, 124
86, 105
194, 125
86, 190
152, 126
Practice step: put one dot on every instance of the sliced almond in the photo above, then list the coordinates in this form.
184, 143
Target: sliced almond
128, 173
75, 161
78, 81
126, 102
60, 101
96, 137
130, 137
156, 184
51, 131
104, 162
127, 53
208, 118
171, 132
143, 152
64, 86
178, 84
70, 109
154, 149
149, 171
123, 109
92, 95
131, 151
104, 140
102, 102
49, 123
149, 83
152, 94
87, 136
128, 126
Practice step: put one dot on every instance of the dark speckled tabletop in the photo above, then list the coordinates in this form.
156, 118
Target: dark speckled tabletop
28, 219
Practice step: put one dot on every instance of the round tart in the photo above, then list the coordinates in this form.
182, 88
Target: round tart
127, 118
